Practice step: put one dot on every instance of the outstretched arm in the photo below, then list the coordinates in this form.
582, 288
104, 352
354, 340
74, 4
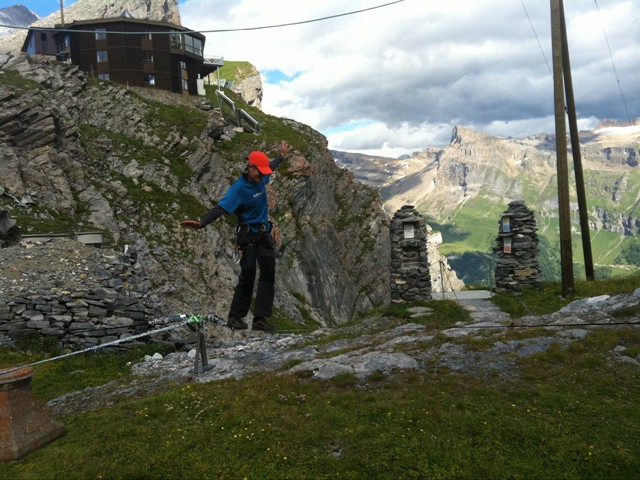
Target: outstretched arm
210, 216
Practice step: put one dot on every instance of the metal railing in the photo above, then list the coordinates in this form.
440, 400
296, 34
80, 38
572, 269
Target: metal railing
240, 114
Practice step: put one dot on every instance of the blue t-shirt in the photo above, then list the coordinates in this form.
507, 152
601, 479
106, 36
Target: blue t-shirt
247, 200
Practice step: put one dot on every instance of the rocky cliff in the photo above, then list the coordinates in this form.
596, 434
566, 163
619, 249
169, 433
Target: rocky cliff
77, 154
157, 10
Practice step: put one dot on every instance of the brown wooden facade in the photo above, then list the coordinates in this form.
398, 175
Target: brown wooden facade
134, 52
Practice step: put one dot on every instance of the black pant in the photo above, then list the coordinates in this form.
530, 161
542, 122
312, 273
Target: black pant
265, 257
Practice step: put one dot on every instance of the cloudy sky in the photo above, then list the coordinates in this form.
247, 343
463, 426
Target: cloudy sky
396, 79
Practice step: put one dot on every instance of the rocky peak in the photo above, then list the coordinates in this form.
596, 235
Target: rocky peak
17, 16
461, 135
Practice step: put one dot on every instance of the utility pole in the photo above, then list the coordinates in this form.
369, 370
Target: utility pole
577, 156
566, 254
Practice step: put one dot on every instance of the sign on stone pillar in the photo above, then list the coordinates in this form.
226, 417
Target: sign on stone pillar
410, 278
516, 249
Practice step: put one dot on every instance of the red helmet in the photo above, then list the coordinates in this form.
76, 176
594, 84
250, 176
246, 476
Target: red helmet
261, 161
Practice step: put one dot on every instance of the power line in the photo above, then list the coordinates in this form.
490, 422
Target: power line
227, 30
615, 71
537, 39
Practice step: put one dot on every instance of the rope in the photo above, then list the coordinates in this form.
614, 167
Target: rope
174, 322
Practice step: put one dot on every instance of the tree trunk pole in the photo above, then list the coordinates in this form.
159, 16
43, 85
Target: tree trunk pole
566, 254
575, 148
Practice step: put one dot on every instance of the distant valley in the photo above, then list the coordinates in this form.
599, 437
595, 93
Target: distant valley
464, 187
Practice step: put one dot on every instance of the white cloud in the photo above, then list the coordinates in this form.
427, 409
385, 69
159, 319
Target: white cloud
413, 70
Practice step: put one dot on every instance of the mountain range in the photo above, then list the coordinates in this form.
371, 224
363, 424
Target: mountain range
16, 16
463, 188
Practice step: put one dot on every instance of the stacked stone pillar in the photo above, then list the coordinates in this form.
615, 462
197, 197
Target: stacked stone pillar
410, 277
516, 249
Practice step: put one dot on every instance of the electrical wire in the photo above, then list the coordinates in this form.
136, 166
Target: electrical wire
537, 39
624, 101
615, 71
225, 30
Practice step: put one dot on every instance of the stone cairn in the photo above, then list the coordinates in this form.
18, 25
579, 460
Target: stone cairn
410, 277
516, 249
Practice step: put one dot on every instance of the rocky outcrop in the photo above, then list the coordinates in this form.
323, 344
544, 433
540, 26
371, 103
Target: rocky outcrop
250, 89
443, 277
84, 155
157, 10
377, 346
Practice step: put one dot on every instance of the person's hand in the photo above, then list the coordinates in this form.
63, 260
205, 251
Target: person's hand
191, 224
284, 148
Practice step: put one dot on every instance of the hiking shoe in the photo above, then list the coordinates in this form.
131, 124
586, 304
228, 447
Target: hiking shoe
259, 323
237, 324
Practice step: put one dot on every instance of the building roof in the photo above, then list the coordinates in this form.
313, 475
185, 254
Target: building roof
78, 24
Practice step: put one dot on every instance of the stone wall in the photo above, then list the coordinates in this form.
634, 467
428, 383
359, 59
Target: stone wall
410, 277
516, 249
104, 296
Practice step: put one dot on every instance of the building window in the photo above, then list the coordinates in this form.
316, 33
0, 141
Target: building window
103, 56
185, 85
101, 33
103, 76
43, 37
149, 79
183, 65
148, 57
176, 40
146, 35
193, 45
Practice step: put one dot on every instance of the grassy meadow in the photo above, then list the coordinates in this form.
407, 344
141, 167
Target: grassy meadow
566, 413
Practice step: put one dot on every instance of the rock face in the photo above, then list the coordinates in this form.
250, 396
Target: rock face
157, 10
103, 157
250, 89
380, 171
443, 277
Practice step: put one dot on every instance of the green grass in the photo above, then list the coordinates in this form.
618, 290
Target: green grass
236, 71
13, 79
548, 298
565, 413
567, 420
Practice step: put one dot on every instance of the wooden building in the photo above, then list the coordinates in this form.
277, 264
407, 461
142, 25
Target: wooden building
129, 51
